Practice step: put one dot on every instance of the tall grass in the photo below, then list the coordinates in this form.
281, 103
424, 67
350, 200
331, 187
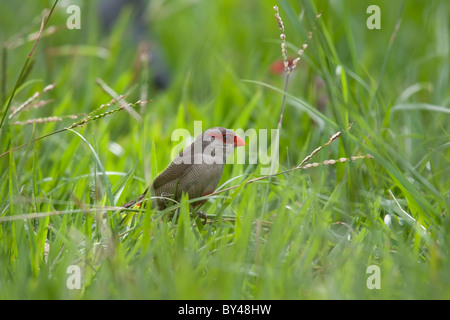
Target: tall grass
309, 234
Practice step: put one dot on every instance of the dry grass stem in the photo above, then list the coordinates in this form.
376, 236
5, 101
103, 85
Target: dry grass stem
27, 104
115, 96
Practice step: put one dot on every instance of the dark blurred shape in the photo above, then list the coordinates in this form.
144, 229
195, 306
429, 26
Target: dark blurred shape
109, 12
322, 99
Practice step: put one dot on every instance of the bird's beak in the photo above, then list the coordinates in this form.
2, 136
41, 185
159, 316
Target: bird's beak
238, 141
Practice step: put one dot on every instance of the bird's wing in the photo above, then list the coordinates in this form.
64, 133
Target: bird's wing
179, 167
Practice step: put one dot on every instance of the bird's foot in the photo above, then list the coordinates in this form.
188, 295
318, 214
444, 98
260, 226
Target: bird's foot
202, 215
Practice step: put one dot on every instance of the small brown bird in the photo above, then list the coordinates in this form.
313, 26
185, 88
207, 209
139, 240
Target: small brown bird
196, 170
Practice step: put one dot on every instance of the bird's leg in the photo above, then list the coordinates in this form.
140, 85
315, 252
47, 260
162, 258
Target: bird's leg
200, 214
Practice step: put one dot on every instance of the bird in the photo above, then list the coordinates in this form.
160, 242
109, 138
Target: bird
195, 171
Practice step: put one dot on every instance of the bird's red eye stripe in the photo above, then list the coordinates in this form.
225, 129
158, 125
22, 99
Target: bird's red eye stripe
224, 137
228, 138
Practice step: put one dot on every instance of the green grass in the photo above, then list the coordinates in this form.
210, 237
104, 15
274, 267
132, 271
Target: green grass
309, 234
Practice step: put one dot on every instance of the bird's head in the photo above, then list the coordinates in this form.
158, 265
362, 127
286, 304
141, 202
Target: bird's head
222, 137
